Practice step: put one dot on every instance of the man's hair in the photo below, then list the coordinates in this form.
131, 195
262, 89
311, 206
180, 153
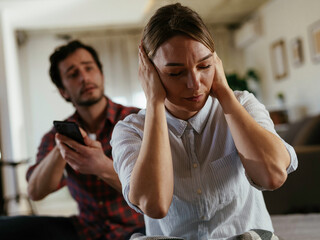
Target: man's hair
61, 53
172, 20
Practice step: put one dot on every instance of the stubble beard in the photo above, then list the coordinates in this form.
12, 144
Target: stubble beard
91, 101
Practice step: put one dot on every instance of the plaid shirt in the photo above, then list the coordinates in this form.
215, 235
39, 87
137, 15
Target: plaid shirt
104, 214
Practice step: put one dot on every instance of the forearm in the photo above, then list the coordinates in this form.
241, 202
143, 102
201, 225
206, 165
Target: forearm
46, 176
110, 176
262, 153
151, 186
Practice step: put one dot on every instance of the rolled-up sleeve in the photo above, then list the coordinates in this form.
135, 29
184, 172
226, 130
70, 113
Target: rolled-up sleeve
126, 143
261, 115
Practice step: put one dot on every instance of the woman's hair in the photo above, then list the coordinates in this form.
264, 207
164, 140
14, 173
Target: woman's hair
172, 20
61, 53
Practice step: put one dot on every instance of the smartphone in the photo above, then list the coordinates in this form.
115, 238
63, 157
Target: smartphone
69, 129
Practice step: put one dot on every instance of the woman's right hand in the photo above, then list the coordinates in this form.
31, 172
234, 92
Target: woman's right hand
149, 78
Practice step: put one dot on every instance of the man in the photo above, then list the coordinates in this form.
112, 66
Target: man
93, 183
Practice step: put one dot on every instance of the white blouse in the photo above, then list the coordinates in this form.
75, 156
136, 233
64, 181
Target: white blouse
213, 198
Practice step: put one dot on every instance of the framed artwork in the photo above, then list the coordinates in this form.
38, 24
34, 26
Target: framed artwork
314, 34
279, 60
297, 52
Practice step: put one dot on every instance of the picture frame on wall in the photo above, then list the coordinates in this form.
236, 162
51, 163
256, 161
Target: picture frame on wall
279, 60
314, 35
297, 54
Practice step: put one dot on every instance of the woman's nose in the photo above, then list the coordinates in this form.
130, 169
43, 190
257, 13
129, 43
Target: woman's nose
193, 81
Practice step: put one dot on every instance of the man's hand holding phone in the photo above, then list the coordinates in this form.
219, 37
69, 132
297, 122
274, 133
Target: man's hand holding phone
83, 154
69, 129
86, 156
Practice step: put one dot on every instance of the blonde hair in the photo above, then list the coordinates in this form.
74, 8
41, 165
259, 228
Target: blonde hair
172, 20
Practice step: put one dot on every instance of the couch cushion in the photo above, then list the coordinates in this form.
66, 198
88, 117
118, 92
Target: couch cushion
304, 132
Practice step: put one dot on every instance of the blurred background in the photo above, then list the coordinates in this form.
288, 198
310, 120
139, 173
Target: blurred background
269, 47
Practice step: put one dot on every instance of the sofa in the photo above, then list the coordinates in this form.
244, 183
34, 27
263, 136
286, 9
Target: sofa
295, 206
301, 192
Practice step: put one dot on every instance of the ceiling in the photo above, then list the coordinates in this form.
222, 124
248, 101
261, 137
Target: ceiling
108, 14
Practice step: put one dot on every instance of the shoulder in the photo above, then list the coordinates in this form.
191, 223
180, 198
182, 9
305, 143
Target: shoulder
244, 96
133, 121
120, 111
48, 136
255, 108
249, 101
129, 129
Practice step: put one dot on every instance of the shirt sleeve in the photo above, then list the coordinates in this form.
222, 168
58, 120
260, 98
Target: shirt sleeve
46, 145
259, 112
126, 143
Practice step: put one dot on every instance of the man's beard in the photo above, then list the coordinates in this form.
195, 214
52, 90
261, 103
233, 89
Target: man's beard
90, 102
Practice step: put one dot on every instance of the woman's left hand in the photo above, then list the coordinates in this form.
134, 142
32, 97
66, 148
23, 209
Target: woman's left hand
219, 84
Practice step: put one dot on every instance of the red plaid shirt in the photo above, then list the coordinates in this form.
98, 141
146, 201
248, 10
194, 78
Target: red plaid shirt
104, 214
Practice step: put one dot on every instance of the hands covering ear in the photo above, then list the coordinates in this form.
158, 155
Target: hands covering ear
149, 78
219, 83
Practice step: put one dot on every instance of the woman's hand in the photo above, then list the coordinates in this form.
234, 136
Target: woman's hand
150, 80
220, 85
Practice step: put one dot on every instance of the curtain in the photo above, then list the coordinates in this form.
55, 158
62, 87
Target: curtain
119, 56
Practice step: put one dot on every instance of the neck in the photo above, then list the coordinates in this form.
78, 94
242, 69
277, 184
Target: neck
93, 116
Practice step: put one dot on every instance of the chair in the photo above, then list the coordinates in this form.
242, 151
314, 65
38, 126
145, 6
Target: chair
17, 194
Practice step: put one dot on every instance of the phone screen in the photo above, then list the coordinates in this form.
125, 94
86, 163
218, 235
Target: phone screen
69, 129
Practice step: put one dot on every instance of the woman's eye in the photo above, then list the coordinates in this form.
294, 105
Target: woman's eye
205, 67
174, 74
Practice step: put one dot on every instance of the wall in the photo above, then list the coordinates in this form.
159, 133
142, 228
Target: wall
287, 19
4, 116
42, 101
12, 119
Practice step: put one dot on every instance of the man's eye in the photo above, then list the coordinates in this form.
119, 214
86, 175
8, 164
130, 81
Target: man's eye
205, 67
89, 68
73, 75
174, 74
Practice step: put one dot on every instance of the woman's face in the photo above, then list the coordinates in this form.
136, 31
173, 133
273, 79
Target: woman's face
186, 69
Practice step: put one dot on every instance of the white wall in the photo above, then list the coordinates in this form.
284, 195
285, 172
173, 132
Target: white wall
287, 19
13, 127
4, 116
42, 101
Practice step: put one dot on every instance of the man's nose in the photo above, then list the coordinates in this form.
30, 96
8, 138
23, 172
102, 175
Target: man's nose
193, 80
84, 76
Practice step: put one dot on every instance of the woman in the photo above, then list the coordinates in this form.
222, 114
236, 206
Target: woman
194, 161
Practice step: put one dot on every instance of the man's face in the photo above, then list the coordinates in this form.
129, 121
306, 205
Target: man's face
82, 79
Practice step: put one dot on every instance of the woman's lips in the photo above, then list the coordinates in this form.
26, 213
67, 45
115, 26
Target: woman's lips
195, 98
